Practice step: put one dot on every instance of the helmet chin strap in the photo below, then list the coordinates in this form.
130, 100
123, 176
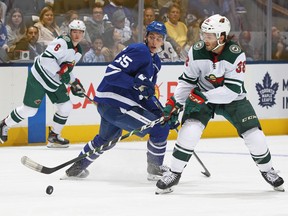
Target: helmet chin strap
218, 45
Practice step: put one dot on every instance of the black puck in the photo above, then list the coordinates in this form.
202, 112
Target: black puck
49, 189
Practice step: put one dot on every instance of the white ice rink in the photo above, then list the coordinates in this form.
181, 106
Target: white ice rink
117, 184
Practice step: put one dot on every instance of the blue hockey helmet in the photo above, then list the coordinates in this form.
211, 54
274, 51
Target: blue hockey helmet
157, 27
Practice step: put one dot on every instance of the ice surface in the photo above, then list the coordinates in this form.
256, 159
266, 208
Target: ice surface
117, 184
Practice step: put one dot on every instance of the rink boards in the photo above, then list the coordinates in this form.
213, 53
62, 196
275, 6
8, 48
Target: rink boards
267, 86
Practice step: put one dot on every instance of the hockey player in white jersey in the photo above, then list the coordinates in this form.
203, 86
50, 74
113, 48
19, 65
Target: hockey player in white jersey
124, 100
213, 83
50, 73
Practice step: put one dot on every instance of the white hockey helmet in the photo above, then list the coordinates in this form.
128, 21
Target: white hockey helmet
78, 25
216, 24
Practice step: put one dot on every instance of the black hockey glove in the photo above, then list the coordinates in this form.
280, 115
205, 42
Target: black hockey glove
145, 87
171, 112
77, 88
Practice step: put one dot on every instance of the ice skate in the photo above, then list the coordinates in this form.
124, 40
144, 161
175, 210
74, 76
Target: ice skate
56, 141
3, 131
274, 179
155, 172
166, 183
75, 172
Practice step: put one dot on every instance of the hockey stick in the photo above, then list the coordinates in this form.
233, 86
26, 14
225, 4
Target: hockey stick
26, 161
206, 171
91, 100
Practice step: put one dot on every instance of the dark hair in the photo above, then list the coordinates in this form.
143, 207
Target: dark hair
10, 23
97, 36
32, 26
97, 5
108, 40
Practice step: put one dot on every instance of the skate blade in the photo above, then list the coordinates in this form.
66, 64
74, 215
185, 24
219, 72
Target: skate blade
57, 145
71, 178
163, 191
151, 177
279, 188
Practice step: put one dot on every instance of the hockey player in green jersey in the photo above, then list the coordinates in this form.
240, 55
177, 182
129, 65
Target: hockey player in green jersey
213, 83
50, 73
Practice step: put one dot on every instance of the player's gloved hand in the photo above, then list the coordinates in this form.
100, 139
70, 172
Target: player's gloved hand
171, 112
194, 101
65, 69
145, 87
77, 88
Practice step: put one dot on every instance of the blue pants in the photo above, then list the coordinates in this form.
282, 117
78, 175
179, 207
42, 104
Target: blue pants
115, 119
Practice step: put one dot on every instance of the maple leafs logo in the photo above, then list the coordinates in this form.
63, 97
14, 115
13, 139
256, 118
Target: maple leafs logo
267, 91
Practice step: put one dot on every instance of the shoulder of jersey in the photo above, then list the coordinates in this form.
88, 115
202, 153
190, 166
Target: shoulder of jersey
140, 48
231, 52
199, 51
66, 39
69, 43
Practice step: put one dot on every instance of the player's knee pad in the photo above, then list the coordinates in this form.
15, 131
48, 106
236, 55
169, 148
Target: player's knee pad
159, 133
255, 140
26, 111
65, 108
190, 134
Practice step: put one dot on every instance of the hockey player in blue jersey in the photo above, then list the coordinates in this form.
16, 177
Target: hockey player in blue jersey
124, 102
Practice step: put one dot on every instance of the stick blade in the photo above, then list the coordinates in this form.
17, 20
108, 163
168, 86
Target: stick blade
206, 173
26, 161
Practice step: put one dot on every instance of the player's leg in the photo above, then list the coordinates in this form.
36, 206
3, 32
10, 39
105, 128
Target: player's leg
188, 137
32, 99
242, 115
156, 144
64, 108
113, 120
107, 133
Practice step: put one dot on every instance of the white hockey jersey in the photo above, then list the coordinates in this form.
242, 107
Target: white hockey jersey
46, 66
219, 77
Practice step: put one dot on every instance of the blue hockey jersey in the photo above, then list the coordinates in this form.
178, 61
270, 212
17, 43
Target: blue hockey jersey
116, 88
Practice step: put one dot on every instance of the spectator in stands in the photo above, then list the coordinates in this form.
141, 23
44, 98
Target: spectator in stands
279, 48
48, 29
96, 25
163, 14
152, 4
112, 44
94, 54
176, 29
16, 27
29, 8
149, 15
167, 53
3, 40
194, 30
244, 42
29, 42
3, 7
115, 5
190, 41
118, 21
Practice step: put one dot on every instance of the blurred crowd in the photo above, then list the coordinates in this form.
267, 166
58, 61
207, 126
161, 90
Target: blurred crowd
27, 26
